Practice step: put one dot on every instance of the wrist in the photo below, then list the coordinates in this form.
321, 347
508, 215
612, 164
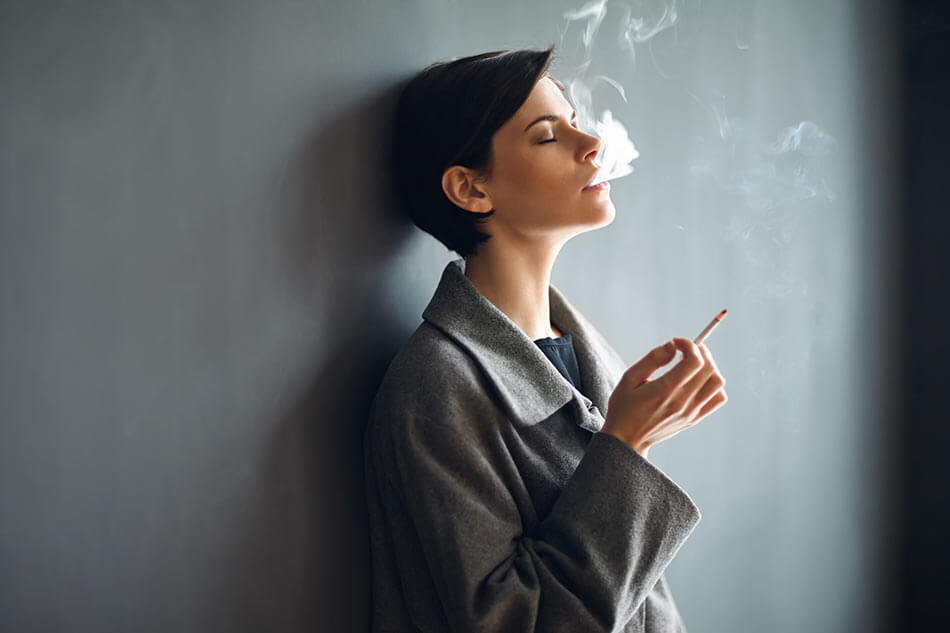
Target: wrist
634, 443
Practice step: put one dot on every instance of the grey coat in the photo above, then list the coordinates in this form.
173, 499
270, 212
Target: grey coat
495, 502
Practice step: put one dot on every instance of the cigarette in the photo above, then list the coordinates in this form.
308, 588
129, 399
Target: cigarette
709, 328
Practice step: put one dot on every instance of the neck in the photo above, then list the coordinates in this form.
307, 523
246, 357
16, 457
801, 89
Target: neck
516, 281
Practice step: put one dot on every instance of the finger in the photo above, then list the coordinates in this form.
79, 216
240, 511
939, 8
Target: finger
640, 372
719, 398
709, 357
701, 386
715, 380
691, 363
713, 385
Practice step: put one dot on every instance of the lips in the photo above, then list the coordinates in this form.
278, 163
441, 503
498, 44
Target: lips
603, 184
594, 180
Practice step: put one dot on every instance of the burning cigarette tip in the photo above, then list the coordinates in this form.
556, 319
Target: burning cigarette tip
709, 328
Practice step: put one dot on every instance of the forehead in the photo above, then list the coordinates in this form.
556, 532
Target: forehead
545, 98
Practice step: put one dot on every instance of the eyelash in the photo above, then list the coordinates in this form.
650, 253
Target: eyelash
554, 138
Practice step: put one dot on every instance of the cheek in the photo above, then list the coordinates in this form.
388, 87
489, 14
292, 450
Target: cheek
536, 189
540, 173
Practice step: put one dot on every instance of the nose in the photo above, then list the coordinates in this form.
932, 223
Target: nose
589, 147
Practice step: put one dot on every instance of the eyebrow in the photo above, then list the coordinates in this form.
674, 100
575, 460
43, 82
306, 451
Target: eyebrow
549, 117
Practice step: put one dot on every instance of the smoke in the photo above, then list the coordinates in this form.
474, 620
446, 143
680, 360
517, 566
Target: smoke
765, 175
617, 151
638, 23
769, 175
765, 179
777, 183
594, 13
651, 18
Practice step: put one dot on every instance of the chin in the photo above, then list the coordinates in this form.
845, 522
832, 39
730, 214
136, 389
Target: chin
608, 214
605, 216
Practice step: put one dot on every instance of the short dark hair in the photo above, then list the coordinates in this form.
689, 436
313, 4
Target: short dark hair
446, 115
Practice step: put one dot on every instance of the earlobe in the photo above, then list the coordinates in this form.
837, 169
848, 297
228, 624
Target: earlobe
462, 190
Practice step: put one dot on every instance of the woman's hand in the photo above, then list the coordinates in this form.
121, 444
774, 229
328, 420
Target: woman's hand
642, 412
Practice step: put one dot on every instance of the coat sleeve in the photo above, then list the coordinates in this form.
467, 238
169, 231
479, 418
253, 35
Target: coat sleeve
453, 497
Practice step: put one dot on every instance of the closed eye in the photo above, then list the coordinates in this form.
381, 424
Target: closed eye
553, 139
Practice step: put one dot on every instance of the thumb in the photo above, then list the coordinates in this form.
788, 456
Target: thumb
641, 371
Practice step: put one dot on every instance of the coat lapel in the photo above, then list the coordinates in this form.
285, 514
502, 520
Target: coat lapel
528, 386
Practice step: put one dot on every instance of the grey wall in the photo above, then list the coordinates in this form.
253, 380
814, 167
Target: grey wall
201, 281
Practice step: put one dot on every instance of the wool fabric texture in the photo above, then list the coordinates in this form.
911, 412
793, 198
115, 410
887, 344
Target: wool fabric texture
495, 501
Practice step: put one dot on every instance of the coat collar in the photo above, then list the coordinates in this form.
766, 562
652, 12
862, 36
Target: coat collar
528, 385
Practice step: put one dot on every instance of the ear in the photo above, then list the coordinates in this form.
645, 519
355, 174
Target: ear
462, 187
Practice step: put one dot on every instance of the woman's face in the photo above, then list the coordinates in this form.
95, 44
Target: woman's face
541, 164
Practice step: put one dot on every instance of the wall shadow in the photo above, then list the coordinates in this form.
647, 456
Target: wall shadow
303, 562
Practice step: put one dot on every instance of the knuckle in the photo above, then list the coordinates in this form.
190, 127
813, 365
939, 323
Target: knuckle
689, 348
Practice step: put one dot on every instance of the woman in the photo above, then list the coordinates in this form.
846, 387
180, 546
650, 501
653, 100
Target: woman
500, 497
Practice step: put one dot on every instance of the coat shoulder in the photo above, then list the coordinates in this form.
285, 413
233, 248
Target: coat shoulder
431, 378
428, 363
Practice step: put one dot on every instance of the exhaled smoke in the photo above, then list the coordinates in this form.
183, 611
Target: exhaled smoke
806, 138
640, 22
594, 13
618, 150
768, 175
652, 18
765, 175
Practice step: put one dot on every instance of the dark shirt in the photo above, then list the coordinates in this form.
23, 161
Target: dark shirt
561, 352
